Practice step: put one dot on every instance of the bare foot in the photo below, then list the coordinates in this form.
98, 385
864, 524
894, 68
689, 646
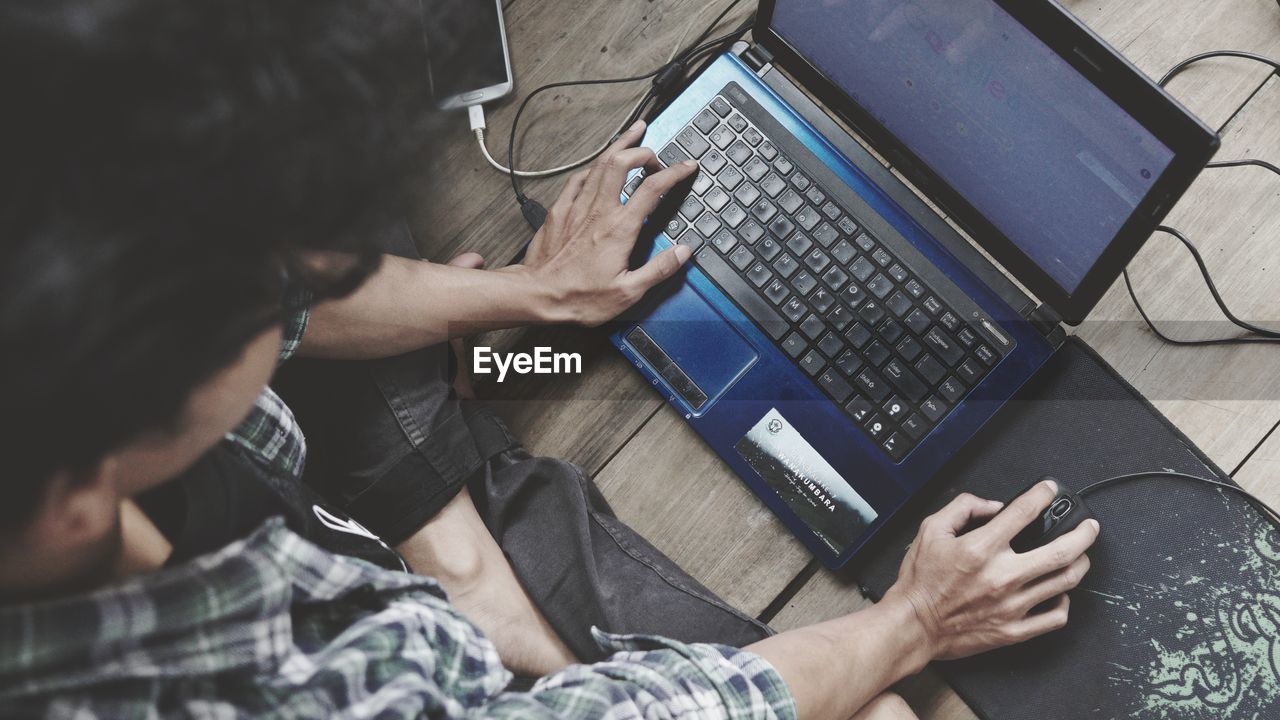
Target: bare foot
462, 382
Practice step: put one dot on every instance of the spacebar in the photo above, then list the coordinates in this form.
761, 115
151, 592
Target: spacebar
741, 292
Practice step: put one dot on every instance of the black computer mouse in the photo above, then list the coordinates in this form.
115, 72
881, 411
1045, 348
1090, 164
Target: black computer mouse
1063, 515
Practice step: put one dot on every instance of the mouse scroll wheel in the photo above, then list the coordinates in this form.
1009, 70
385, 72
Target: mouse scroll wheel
1060, 508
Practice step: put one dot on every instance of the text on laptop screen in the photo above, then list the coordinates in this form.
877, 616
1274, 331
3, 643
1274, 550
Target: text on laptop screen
1027, 140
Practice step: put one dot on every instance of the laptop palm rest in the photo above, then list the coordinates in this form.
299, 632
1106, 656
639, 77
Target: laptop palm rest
700, 341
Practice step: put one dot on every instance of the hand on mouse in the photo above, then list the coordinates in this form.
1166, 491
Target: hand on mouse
581, 254
972, 592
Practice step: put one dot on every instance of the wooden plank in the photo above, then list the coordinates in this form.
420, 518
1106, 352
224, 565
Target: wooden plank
673, 490
1224, 398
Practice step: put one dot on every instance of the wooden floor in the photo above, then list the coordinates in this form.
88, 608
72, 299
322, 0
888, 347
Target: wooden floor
652, 467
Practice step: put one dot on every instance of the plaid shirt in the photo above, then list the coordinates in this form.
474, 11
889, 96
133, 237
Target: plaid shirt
274, 627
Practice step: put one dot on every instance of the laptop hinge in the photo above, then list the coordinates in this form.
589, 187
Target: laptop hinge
1045, 320
758, 59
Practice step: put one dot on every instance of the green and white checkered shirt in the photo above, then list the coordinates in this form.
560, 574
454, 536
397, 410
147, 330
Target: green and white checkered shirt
275, 627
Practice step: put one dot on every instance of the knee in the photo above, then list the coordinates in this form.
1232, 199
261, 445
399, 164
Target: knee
886, 706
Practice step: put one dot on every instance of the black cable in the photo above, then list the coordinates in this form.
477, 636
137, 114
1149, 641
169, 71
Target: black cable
664, 78
1266, 509
1264, 335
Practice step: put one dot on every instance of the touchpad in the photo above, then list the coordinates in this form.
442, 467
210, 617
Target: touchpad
700, 341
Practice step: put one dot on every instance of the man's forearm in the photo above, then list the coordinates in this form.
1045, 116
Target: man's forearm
836, 667
410, 304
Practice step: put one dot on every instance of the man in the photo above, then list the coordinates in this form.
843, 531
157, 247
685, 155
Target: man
183, 189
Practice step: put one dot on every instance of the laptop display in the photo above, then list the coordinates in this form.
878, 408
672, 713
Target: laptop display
1028, 141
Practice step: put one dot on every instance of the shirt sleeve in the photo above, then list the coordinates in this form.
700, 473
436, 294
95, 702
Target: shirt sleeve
651, 677
297, 311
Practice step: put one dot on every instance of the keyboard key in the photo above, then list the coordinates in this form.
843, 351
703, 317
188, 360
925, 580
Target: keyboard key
772, 185
752, 136
764, 210
970, 371
872, 384
894, 408
741, 258
836, 387
721, 107
756, 307
967, 336
843, 252
737, 122
847, 225
633, 184
786, 266
693, 239
672, 155
751, 232
952, 390
783, 165
707, 224
812, 326
839, 317
812, 363
853, 294
817, 261
831, 210
862, 269
909, 349
674, 227
915, 426
706, 121
899, 304
746, 193
950, 321
881, 257
934, 408
799, 244
985, 354
865, 242
859, 408
835, 278
755, 169
724, 241
907, 382
722, 137
859, 335
807, 217
716, 199
932, 305
831, 345
777, 291
877, 427
781, 227
931, 369
713, 162
890, 331
915, 288
730, 179
876, 353
759, 274
793, 309
871, 312
917, 321
790, 202
848, 362
733, 215
897, 272
804, 283
692, 142
825, 235
691, 208
822, 300
801, 182
944, 345
738, 152
879, 286
895, 446
768, 151
816, 196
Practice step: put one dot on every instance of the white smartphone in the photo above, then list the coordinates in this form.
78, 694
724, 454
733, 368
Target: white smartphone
480, 70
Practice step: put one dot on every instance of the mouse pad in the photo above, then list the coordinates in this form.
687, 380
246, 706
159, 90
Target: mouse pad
1179, 616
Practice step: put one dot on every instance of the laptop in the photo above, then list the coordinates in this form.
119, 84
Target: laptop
834, 339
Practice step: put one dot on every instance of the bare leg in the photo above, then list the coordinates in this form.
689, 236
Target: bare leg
886, 706
457, 550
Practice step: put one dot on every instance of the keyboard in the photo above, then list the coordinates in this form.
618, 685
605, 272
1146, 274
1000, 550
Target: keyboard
846, 309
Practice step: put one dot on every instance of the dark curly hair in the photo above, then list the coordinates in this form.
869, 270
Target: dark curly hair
162, 164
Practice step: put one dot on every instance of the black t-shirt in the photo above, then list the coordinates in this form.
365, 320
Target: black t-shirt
226, 496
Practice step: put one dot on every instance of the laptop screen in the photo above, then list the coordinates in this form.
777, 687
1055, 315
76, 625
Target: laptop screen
1028, 141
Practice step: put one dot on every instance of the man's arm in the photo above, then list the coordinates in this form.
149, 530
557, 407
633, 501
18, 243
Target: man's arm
576, 270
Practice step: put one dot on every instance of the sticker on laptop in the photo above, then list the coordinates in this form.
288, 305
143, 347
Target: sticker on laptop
813, 489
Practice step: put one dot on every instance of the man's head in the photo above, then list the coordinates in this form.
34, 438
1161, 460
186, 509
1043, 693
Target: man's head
163, 165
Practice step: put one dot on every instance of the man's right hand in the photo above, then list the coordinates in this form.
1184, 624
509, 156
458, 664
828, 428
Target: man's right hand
971, 592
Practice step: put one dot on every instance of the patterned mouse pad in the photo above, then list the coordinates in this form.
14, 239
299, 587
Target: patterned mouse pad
1180, 615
